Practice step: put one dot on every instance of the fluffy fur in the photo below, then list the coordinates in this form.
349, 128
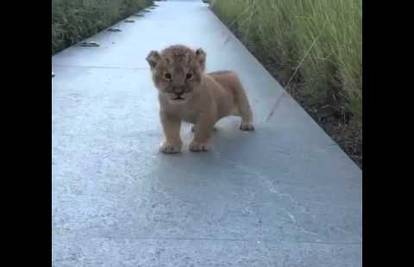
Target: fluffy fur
187, 93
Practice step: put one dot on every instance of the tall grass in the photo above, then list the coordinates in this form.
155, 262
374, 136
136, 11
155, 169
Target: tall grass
325, 34
73, 20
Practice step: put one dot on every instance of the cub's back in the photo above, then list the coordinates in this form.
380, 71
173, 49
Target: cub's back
229, 85
227, 79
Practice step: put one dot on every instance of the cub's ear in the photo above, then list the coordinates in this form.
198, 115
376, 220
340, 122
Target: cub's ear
153, 58
201, 57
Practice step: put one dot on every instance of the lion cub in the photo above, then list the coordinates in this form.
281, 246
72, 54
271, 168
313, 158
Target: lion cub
188, 94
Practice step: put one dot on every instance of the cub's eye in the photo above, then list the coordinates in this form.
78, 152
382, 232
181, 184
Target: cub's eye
167, 76
189, 76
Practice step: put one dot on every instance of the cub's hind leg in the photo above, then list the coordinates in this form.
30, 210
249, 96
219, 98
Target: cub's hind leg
244, 109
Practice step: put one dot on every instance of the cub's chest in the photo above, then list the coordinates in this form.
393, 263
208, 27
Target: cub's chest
187, 113
189, 116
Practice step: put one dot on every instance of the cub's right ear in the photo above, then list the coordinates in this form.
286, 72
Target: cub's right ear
201, 57
153, 58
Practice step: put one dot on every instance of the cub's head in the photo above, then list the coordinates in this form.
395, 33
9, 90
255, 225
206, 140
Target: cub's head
177, 71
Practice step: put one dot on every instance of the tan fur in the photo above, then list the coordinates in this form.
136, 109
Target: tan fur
204, 97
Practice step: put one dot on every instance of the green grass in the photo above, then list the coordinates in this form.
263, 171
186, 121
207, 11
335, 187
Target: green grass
322, 39
74, 20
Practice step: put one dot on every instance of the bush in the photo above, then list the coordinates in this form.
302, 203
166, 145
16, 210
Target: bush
322, 38
74, 20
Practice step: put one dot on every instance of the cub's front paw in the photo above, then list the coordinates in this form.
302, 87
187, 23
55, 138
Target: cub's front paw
168, 148
198, 147
246, 126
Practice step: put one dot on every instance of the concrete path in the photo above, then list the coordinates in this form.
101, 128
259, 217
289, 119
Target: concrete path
284, 195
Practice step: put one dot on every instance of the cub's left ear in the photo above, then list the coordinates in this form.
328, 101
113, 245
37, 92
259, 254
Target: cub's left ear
153, 58
201, 56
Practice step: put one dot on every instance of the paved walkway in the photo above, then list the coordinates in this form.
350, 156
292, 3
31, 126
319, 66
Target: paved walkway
284, 195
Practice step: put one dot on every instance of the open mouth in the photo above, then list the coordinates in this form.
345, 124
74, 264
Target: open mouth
178, 97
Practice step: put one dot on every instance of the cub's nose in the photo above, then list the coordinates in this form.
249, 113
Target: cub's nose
178, 90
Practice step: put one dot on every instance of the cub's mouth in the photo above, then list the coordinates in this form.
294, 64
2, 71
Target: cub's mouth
178, 100
178, 97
